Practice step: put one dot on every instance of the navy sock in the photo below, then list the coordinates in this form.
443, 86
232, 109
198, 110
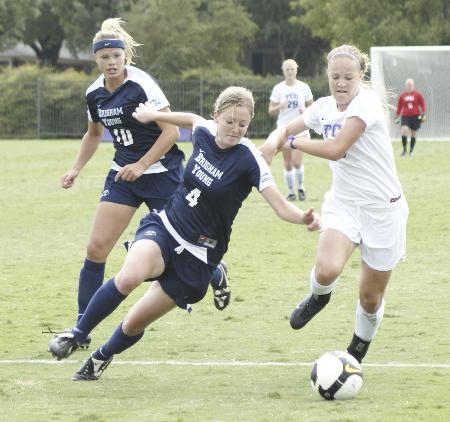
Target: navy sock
91, 278
103, 303
118, 342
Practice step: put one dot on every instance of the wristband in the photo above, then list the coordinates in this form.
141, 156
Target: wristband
291, 143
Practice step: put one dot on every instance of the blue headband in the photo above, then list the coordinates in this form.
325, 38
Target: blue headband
108, 44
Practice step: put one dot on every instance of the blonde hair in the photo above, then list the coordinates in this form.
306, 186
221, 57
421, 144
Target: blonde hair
289, 61
352, 52
235, 96
111, 29
362, 59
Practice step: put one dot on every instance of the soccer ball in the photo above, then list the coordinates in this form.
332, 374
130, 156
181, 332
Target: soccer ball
336, 376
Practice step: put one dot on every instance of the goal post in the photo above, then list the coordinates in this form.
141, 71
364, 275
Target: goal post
429, 66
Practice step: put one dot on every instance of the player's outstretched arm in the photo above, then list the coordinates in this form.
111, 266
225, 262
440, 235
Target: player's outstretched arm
352, 130
146, 113
289, 212
273, 144
276, 140
166, 140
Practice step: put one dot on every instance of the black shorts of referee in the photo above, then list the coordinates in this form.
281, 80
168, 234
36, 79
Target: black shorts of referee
413, 122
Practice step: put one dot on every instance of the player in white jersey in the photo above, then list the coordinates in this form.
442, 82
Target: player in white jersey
182, 244
365, 206
288, 100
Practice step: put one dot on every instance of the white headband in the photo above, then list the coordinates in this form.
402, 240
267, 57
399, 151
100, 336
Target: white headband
345, 53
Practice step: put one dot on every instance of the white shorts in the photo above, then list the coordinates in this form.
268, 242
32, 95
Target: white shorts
379, 232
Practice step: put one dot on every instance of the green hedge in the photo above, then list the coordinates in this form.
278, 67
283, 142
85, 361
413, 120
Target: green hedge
199, 96
40, 103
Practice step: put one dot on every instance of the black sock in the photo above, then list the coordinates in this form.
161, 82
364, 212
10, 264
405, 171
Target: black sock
404, 142
413, 142
358, 348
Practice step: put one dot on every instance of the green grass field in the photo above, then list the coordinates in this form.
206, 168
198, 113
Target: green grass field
242, 364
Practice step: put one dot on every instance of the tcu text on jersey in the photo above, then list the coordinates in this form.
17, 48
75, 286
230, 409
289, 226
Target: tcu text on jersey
330, 130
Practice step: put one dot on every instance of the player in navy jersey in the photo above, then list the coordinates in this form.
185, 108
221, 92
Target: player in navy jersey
181, 245
147, 165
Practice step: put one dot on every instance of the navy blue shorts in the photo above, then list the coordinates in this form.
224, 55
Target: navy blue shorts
154, 189
185, 278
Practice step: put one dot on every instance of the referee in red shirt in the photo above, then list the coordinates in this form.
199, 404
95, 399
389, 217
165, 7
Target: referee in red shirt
411, 109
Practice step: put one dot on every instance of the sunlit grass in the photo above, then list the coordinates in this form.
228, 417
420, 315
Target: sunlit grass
43, 232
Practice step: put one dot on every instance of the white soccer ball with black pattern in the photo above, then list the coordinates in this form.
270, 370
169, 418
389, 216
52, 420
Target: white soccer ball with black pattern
336, 376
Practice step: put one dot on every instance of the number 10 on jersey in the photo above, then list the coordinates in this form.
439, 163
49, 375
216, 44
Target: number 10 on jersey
123, 136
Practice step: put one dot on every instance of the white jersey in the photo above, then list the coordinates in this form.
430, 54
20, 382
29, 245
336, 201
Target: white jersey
366, 175
297, 95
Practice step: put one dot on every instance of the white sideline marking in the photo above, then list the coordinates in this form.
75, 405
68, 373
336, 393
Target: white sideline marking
219, 363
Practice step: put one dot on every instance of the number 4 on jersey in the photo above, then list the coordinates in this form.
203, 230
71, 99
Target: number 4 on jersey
192, 197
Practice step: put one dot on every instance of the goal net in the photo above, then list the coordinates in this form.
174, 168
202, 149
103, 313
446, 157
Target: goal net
430, 69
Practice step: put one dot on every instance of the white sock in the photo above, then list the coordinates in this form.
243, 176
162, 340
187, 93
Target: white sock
289, 179
317, 288
366, 324
300, 176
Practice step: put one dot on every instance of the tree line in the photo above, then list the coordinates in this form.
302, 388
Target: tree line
209, 38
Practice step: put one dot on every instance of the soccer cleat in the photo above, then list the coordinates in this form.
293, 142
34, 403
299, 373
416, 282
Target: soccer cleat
291, 197
86, 343
411, 153
306, 309
221, 290
92, 369
127, 244
301, 195
403, 153
62, 345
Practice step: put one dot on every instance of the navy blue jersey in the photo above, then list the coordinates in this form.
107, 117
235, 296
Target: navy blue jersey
215, 183
132, 139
